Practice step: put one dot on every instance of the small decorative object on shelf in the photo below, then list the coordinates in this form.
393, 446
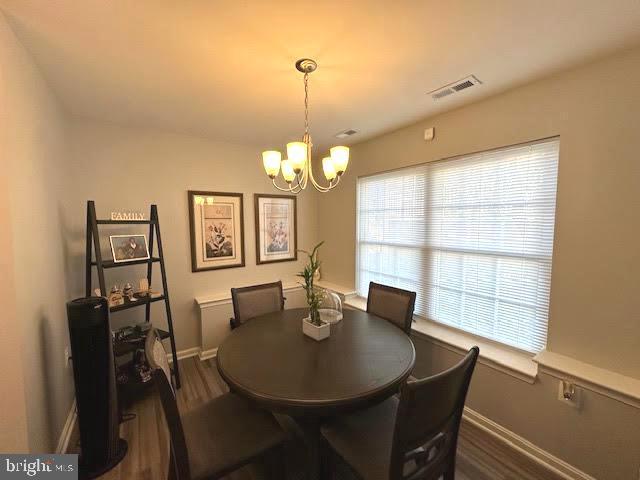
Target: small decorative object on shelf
127, 215
115, 297
330, 308
127, 291
143, 328
313, 326
144, 290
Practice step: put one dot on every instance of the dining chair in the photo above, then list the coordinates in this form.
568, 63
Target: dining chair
218, 437
410, 437
393, 304
256, 300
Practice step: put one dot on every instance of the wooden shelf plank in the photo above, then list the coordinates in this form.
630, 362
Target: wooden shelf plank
124, 347
124, 222
141, 301
112, 264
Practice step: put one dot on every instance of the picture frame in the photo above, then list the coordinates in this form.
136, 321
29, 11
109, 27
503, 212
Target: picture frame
216, 228
129, 248
276, 223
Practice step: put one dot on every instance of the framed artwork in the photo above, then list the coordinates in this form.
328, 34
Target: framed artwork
276, 228
216, 223
128, 248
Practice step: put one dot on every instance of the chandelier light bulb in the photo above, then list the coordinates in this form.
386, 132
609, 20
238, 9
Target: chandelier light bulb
340, 157
287, 171
328, 169
271, 161
297, 154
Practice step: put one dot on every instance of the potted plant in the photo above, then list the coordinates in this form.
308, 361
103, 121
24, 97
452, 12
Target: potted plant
312, 325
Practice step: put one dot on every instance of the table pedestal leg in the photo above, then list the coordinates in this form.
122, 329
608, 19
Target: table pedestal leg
310, 427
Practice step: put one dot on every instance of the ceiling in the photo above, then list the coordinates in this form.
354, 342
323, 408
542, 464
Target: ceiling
225, 69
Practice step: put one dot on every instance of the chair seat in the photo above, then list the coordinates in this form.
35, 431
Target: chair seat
364, 439
225, 433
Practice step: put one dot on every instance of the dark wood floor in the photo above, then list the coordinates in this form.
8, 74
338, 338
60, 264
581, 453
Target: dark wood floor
147, 436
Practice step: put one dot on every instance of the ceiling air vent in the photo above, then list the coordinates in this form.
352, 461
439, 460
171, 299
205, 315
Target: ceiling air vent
455, 87
346, 133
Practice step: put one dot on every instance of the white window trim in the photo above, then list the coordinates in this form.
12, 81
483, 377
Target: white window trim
505, 359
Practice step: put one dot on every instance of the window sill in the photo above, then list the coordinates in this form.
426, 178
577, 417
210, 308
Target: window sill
504, 359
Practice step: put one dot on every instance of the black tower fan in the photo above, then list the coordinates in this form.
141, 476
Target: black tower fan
96, 395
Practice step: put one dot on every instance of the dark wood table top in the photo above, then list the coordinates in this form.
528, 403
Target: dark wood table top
271, 361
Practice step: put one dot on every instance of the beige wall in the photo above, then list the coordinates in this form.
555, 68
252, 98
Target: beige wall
33, 160
122, 168
13, 410
595, 305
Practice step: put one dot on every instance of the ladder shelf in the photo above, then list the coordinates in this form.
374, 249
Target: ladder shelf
93, 250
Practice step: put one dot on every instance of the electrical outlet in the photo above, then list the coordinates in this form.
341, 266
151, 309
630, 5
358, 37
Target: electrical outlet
429, 134
570, 394
67, 356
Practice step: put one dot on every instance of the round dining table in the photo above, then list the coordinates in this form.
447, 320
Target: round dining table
271, 362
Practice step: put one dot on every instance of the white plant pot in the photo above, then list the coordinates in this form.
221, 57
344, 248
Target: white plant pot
315, 332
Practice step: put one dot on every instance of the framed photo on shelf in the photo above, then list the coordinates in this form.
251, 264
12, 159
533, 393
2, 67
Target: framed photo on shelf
276, 228
216, 224
129, 248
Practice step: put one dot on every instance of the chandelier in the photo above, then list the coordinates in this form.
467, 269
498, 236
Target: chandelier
297, 170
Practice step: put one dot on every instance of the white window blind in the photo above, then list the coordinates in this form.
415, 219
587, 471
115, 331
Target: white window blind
473, 236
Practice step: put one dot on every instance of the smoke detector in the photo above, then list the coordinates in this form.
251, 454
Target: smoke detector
455, 87
346, 133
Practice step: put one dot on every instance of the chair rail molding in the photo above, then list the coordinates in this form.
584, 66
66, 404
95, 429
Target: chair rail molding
598, 380
223, 298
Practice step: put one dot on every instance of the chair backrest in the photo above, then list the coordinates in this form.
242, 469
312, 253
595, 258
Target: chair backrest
393, 304
157, 359
256, 300
428, 421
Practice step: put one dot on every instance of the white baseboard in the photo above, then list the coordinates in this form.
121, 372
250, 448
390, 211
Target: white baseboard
521, 446
67, 430
182, 354
207, 354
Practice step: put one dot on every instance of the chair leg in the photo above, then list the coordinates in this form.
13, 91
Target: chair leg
171, 474
276, 459
450, 473
326, 470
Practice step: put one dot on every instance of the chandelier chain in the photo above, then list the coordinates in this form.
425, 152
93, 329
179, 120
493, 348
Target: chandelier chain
306, 104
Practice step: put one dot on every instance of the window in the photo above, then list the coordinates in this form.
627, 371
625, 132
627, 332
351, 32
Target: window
473, 236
